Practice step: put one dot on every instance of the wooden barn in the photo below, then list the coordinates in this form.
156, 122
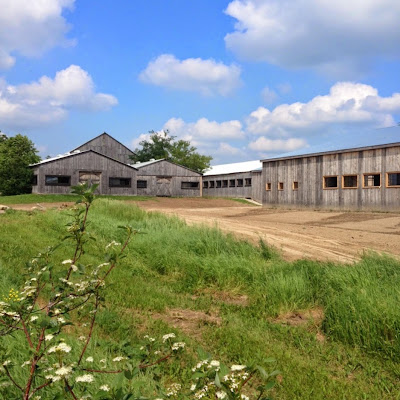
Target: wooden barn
357, 178
57, 175
238, 180
165, 178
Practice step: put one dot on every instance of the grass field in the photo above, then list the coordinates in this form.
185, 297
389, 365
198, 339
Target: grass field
334, 330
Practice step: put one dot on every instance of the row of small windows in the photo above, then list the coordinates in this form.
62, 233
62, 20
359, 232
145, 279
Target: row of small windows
65, 180
226, 183
372, 180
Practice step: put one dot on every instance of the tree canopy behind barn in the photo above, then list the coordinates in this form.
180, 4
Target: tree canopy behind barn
16, 154
178, 151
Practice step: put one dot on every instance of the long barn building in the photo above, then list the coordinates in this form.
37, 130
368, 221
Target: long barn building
356, 178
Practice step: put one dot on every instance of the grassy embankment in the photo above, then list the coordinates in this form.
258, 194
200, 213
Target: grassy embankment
354, 353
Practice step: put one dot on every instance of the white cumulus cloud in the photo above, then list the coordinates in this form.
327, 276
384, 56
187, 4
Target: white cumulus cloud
32, 27
207, 77
350, 104
263, 144
339, 37
203, 129
49, 99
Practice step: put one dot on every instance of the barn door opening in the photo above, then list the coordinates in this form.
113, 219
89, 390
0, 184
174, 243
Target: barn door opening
163, 188
91, 178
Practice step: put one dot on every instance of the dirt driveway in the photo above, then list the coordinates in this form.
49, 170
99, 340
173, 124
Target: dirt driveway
322, 235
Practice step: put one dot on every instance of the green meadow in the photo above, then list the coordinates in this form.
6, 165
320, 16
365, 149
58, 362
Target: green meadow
333, 329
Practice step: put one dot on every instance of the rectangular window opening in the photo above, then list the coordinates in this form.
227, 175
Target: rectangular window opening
205, 184
219, 184
350, 181
34, 180
232, 182
189, 185
247, 182
141, 184
225, 183
393, 179
239, 183
295, 185
280, 185
372, 180
268, 186
212, 184
57, 180
330, 182
119, 182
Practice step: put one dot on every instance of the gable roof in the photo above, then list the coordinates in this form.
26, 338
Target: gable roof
103, 134
77, 153
146, 163
233, 168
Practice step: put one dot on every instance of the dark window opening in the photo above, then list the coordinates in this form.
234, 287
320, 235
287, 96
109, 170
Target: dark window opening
350, 181
34, 180
330, 182
225, 183
119, 182
280, 185
205, 184
189, 185
57, 180
219, 184
372, 180
393, 179
239, 182
231, 183
141, 184
268, 186
295, 185
212, 184
247, 182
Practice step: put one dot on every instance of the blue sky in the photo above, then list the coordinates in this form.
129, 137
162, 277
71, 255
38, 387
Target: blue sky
240, 79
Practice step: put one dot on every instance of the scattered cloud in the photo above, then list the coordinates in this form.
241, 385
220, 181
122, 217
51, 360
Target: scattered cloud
30, 28
353, 104
338, 37
207, 77
227, 149
268, 95
203, 129
263, 144
49, 100
285, 88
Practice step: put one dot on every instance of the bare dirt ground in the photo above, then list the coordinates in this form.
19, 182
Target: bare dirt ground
322, 235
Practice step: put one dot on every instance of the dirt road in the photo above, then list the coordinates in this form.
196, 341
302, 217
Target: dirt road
322, 235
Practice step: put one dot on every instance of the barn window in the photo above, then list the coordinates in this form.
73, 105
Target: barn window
393, 179
189, 185
268, 186
141, 184
350, 181
212, 184
89, 177
57, 180
205, 184
372, 180
330, 182
119, 182
295, 185
247, 182
231, 183
280, 185
219, 184
239, 183
225, 183
34, 180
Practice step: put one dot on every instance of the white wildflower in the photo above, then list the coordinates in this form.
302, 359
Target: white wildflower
237, 367
89, 359
178, 345
67, 262
220, 395
168, 336
63, 371
106, 388
26, 363
85, 378
60, 348
74, 267
119, 358
34, 318
193, 387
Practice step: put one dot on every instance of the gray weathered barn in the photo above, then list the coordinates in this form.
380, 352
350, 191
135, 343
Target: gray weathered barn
105, 161
165, 178
240, 180
358, 178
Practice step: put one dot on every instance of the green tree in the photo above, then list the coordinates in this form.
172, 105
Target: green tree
178, 151
16, 153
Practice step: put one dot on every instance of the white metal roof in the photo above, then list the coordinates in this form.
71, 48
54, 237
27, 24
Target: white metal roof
145, 163
58, 157
222, 169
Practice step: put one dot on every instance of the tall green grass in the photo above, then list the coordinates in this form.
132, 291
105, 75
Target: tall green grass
170, 262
